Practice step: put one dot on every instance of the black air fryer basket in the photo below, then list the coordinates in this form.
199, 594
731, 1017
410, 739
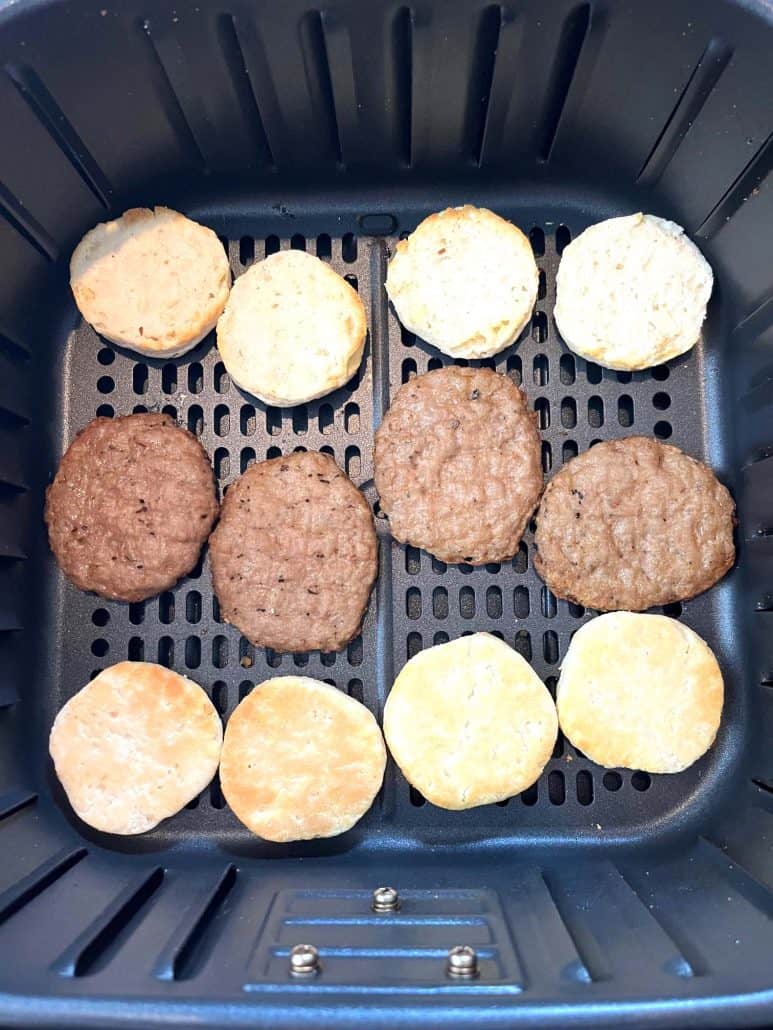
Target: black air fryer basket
596, 898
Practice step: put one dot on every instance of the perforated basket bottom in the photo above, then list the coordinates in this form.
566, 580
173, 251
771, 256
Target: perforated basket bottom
418, 601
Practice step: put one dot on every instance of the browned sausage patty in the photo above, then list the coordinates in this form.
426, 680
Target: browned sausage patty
294, 557
632, 523
457, 464
131, 506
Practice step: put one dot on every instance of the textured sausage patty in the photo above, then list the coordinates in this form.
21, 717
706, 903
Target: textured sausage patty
131, 506
632, 523
457, 464
294, 557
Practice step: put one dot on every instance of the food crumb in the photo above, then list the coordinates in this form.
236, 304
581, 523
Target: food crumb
246, 662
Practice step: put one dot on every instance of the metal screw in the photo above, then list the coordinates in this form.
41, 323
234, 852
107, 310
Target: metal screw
385, 899
304, 960
462, 962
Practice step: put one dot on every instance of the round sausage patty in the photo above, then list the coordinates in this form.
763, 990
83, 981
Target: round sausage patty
457, 464
131, 506
294, 557
632, 523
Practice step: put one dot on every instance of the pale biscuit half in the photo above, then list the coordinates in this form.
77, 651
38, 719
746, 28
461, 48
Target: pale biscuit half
153, 281
631, 292
301, 760
292, 330
470, 722
465, 280
134, 746
640, 692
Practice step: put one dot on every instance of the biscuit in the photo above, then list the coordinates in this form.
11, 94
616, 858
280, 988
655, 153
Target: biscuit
292, 330
632, 292
134, 746
633, 523
153, 281
295, 555
470, 722
465, 280
458, 464
640, 692
301, 760
131, 506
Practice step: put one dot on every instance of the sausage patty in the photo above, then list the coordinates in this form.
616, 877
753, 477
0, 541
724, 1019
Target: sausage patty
633, 523
294, 557
457, 464
131, 506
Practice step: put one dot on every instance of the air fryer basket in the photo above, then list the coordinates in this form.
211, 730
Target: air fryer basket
594, 898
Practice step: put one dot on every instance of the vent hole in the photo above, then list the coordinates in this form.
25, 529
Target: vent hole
537, 240
220, 651
222, 420
593, 373
100, 617
641, 781
246, 458
515, 368
353, 282
193, 607
440, 603
441, 637
595, 412
136, 649
494, 603
274, 660
563, 238
568, 413
542, 407
539, 328
566, 369
530, 795
542, 286
195, 420
576, 610
521, 602
297, 242
193, 652
222, 463
166, 608
169, 378
467, 603
166, 652
584, 787
408, 369
195, 377
325, 418
220, 378
246, 250
438, 566
272, 245
663, 430
220, 696
413, 603
661, 373
556, 787
137, 613
275, 452
324, 247
433, 364
612, 781
105, 411
300, 421
352, 462
568, 451
624, 377
349, 248
541, 370
139, 409
413, 645
100, 647
625, 411
245, 688
523, 644
661, 401
105, 384
301, 660
407, 338
547, 457
674, 610
550, 647
548, 603
352, 418
354, 652
354, 689
106, 356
